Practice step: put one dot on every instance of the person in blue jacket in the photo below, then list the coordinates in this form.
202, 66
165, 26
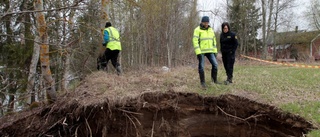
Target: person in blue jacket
113, 47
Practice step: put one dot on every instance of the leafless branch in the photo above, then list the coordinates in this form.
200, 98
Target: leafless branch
213, 12
74, 6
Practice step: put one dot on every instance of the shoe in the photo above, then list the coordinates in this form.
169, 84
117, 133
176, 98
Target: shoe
203, 86
119, 71
230, 80
215, 82
227, 82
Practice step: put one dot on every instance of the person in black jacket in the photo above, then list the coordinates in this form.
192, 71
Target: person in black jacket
229, 44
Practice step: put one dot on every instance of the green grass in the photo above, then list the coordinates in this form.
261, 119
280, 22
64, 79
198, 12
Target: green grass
293, 89
309, 110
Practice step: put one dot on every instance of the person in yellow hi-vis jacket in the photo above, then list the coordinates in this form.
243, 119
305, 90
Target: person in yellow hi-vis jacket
204, 43
112, 43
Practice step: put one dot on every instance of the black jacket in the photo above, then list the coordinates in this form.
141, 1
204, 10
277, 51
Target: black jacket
228, 42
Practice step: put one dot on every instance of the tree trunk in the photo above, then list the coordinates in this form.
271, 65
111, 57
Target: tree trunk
263, 6
44, 52
12, 91
274, 53
33, 70
11, 102
265, 48
104, 19
255, 47
8, 22
67, 55
27, 43
9, 41
65, 80
131, 38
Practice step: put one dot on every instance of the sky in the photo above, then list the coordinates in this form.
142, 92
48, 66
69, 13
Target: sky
219, 6
211, 6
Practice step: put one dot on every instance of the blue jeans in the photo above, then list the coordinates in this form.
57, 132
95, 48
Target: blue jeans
212, 59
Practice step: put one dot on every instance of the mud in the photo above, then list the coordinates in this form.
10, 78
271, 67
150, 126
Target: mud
155, 114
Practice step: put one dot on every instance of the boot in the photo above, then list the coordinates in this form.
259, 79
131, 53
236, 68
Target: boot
202, 80
214, 76
119, 70
203, 86
228, 81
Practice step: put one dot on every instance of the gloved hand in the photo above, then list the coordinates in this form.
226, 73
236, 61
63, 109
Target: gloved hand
104, 44
199, 56
215, 55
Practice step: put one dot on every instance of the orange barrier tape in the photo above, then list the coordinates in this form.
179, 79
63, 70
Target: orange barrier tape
280, 63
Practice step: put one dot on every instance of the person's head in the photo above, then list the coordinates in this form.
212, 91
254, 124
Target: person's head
205, 21
108, 24
225, 27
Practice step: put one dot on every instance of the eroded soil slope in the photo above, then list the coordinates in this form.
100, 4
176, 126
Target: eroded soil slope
158, 114
119, 111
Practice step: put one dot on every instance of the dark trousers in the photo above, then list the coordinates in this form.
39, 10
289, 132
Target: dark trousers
228, 59
109, 55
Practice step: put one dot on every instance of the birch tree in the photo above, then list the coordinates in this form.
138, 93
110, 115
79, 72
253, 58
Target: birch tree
26, 42
33, 71
264, 28
44, 52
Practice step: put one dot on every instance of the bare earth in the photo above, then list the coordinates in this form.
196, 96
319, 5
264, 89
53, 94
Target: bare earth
102, 112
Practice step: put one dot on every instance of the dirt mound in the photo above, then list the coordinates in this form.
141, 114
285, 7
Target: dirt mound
155, 114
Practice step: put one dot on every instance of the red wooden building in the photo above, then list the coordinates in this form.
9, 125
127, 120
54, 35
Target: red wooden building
298, 45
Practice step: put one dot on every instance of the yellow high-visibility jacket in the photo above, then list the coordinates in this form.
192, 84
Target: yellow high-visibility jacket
113, 42
204, 41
